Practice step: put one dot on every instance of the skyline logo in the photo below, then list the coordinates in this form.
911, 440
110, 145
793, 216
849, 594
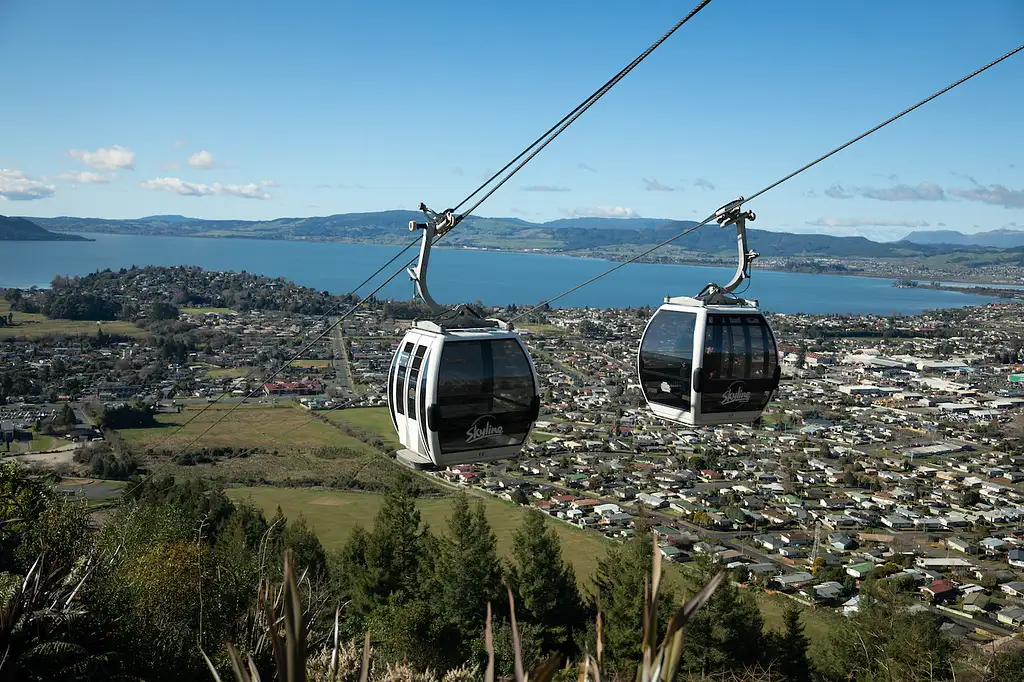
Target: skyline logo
735, 394
485, 426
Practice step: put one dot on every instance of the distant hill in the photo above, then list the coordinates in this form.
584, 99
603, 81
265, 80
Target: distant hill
1000, 239
590, 236
165, 219
22, 230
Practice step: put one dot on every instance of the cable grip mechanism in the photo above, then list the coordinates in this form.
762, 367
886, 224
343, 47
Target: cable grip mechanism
436, 226
732, 214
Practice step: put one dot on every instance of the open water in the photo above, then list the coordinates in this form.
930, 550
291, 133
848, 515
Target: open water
465, 275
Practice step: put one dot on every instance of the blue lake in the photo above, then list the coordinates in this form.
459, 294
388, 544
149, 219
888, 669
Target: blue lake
465, 275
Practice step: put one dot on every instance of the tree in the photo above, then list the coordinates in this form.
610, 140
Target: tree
727, 632
306, 548
885, 642
545, 585
619, 590
790, 648
390, 563
468, 574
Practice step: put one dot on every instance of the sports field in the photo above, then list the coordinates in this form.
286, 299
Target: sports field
249, 426
33, 326
375, 420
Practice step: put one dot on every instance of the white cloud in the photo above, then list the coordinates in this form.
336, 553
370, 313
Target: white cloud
653, 185
837, 192
86, 178
184, 188
861, 222
269, 183
201, 159
170, 165
115, 158
16, 186
603, 212
926, 191
996, 195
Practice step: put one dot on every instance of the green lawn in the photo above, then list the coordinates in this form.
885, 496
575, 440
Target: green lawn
202, 311
333, 515
41, 442
311, 364
249, 426
228, 372
374, 419
32, 326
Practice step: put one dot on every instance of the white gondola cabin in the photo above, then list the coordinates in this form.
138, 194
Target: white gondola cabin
708, 364
712, 359
462, 395
461, 388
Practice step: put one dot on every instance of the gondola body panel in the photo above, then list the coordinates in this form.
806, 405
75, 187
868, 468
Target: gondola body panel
708, 364
462, 396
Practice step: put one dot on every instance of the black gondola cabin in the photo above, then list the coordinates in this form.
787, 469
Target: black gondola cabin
458, 396
708, 364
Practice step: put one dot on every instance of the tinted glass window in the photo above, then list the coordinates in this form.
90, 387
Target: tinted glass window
666, 358
740, 361
403, 366
422, 412
484, 393
391, 390
414, 375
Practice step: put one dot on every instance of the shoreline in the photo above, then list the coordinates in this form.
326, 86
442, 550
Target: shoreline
537, 252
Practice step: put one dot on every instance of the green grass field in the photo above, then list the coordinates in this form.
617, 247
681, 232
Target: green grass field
33, 326
333, 515
202, 311
311, 364
249, 426
373, 419
229, 372
41, 442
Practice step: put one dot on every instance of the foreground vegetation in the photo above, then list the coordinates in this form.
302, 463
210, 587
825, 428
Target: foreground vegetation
178, 569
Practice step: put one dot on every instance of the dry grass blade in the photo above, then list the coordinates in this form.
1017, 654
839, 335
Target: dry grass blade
364, 671
584, 670
213, 670
683, 615
520, 675
294, 627
599, 647
545, 670
334, 650
489, 645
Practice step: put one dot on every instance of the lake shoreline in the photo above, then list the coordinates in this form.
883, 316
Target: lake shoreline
538, 252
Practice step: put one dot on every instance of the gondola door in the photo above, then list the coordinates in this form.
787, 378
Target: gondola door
409, 393
739, 370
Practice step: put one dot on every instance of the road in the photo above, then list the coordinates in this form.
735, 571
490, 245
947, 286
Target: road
342, 378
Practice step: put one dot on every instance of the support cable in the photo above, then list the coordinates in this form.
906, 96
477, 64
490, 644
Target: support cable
778, 182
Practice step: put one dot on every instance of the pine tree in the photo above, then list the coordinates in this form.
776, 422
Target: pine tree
726, 633
792, 648
544, 584
468, 574
394, 550
389, 564
308, 553
620, 585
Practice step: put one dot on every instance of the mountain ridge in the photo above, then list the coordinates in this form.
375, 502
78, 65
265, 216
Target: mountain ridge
580, 235
1003, 238
16, 229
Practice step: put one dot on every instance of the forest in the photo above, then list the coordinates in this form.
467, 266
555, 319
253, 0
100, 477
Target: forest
176, 572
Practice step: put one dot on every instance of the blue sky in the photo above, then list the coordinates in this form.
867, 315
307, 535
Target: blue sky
267, 109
